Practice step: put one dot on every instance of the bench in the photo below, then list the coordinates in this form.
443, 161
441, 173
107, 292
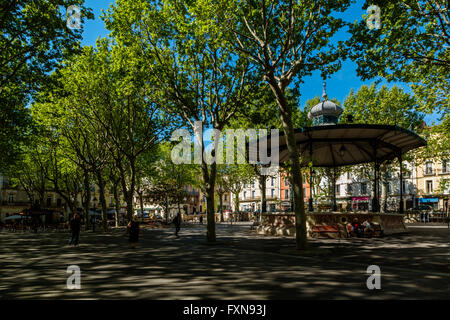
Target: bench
318, 230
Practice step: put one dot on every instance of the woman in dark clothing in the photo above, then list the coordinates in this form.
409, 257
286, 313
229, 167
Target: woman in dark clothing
134, 231
177, 222
75, 226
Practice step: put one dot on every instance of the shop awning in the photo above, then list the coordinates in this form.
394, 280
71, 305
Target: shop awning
428, 200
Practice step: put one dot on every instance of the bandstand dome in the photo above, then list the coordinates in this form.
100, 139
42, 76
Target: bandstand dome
325, 112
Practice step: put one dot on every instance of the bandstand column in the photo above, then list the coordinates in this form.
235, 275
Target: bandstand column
334, 190
375, 204
310, 206
401, 183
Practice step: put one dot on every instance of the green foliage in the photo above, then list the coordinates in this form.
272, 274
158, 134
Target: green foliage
34, 38
383, 106
166, 180
182, 47
412, 45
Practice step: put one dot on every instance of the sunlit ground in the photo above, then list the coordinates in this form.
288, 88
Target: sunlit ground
242, 265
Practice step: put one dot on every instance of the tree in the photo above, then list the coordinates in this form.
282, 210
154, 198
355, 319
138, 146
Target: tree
412, 45
78, 140
382, 106
114, 183
168, 181
29, 172
288, 40
201, 79
222, 187
235, 176
34, 38
112, 96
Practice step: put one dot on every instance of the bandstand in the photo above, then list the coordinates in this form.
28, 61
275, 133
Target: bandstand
330, 144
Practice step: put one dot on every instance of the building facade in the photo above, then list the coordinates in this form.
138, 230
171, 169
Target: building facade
432, 180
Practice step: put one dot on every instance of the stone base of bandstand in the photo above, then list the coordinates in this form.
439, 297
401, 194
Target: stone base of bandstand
283, 223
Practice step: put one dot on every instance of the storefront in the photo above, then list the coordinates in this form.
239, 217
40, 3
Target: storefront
360, 203
285, 206
433, 202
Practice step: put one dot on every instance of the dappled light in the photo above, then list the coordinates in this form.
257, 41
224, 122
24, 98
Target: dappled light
242, 265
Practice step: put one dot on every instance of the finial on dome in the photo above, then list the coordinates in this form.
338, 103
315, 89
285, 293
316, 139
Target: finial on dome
324, 95
325, 112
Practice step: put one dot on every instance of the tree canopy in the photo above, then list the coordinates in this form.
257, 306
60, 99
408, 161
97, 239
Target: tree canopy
34, 39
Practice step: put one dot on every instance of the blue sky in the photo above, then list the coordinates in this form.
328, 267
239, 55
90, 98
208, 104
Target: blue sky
338, 86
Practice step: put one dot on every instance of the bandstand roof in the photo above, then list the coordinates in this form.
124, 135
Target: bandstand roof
348, 144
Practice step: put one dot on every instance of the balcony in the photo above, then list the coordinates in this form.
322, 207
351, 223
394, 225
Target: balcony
445, 170
16, 203
429, 172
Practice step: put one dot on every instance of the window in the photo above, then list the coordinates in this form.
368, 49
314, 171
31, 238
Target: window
272, 193
253, 194
49, 202
245, 194
349, 188
349, 175
429, 186
389, 174
253, 184
445, 166
58, 202
403, 186
388, 188
272, 182
429, 168
11, 198
286, 182
225, 197
286, 194
338, 189
363, 188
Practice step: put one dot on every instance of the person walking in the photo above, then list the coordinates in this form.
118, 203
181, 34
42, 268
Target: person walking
134, 231
75, 225
177, 222
93, 221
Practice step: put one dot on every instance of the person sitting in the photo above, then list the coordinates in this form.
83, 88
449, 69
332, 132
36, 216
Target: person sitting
349, 229
357, 228
368, 228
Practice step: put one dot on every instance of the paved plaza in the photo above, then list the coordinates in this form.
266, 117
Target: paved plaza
242, 265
